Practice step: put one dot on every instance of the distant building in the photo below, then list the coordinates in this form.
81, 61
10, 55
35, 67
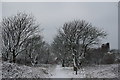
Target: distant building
105, 47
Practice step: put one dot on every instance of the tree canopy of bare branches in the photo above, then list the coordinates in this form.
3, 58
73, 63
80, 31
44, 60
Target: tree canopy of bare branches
15, 31
78, 36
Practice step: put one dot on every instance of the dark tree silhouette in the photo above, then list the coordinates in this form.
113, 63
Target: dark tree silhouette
15, 31
78, 36
33, 46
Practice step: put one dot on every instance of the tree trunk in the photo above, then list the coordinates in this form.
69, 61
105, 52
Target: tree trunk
74, 64
63, 63
14, 56
75, 69
7, 57
47, 61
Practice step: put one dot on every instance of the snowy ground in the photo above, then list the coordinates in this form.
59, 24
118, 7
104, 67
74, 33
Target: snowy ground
104, 71
66, 72
10, 70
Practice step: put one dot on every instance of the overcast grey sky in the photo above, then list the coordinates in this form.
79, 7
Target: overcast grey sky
51, 16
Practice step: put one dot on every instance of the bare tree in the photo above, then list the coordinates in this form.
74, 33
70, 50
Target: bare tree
33, 47
78, 36
47, 49
15, 31
60, 49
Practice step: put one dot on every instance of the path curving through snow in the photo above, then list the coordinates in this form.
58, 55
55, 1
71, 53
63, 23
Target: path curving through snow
65, 72
58, 72
98, 71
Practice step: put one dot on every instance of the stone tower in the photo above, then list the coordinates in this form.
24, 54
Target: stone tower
105, 47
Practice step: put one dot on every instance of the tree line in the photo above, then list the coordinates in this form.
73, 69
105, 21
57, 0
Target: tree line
22, 41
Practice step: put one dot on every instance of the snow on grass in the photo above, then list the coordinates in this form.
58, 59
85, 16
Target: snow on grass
12, 70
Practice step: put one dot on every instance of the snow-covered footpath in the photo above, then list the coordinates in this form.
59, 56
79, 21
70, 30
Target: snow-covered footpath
103, 71
11, 70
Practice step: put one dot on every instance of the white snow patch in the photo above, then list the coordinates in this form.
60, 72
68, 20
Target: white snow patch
102, 71
12, 70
